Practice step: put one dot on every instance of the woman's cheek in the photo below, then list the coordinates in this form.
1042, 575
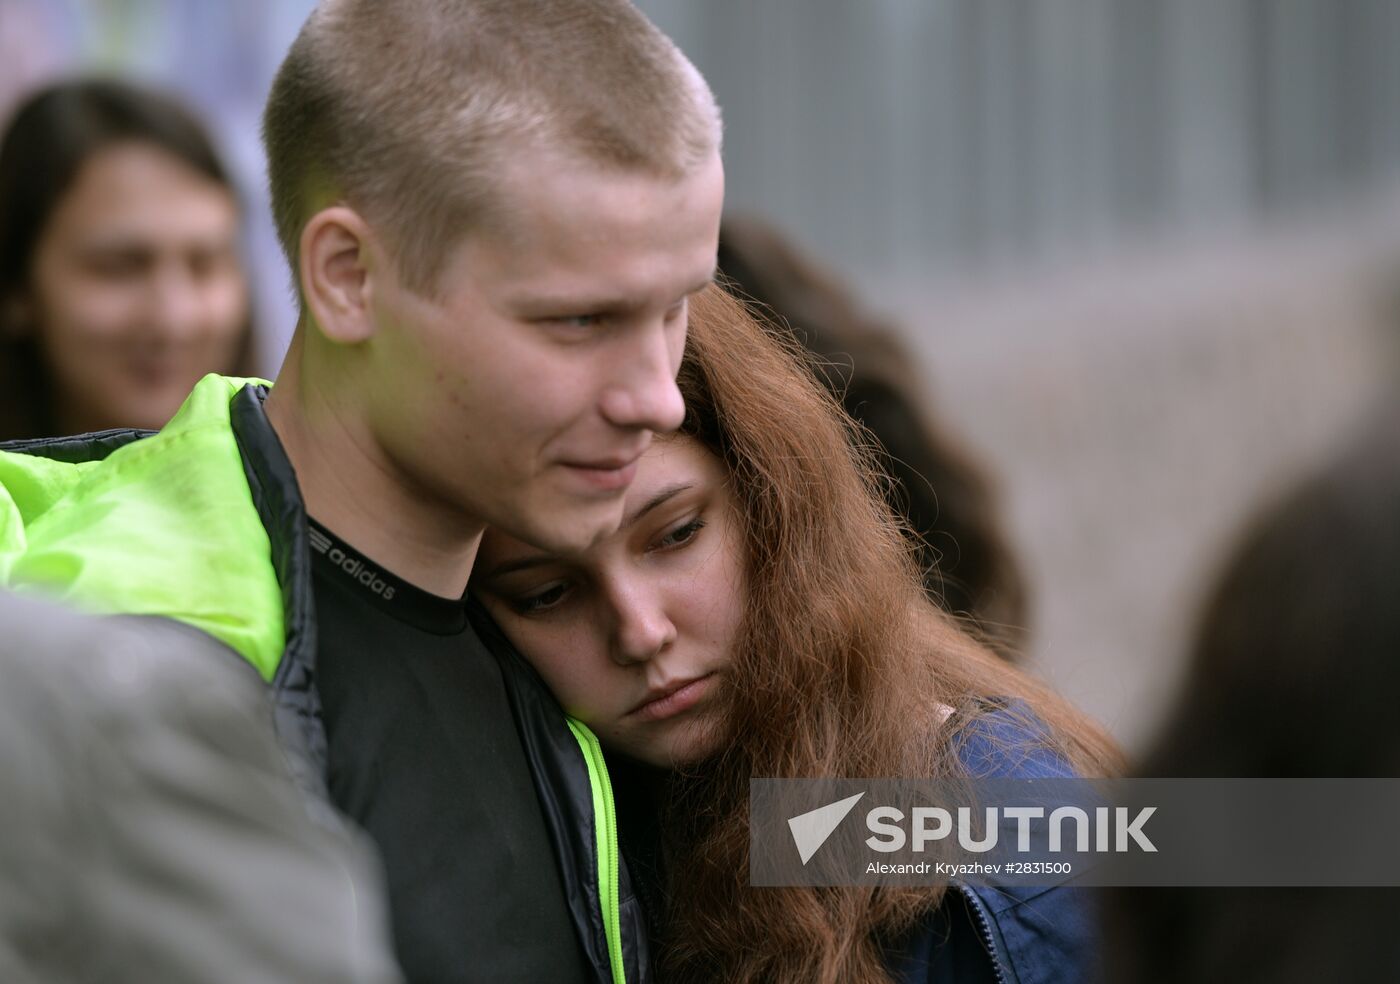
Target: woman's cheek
570, 670
228, 309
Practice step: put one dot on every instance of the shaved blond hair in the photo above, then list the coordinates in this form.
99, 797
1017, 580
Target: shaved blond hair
408, 111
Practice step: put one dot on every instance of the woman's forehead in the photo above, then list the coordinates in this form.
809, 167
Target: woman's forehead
671, 458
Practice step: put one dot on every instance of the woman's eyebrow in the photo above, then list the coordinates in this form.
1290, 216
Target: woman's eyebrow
661, 496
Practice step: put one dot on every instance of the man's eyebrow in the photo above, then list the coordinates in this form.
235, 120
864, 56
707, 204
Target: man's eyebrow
602, 304
661, 496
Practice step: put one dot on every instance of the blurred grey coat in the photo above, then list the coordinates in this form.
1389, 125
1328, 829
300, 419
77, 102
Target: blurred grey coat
149, 828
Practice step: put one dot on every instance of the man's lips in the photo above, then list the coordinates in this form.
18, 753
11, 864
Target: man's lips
606, 474
672, 698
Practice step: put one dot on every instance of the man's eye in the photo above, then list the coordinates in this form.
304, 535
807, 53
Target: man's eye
681, 535
542, 601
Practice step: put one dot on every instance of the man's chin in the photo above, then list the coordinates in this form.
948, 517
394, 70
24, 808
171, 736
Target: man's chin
575, 532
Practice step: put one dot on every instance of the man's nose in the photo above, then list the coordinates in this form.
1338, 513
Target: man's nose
644, 395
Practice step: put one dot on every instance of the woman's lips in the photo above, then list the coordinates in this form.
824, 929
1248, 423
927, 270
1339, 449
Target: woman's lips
673, 701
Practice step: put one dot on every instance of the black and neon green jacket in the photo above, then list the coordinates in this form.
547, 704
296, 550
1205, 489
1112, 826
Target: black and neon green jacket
203, 523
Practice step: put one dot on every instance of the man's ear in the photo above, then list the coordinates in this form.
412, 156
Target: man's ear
336, 274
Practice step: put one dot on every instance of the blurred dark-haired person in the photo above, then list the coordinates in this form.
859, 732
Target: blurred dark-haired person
938, 485
1295, 674
121, 282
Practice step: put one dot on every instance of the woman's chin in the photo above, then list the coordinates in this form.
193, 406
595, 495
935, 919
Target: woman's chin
670, 756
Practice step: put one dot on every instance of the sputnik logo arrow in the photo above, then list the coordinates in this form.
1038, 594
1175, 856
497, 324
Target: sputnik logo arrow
810, 830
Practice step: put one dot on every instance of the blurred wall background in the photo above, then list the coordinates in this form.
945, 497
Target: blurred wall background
937, 138
1148, 254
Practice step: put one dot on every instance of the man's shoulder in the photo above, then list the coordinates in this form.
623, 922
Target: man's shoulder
168, 524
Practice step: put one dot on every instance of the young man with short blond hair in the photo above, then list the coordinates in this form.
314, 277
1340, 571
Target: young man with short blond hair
495, 211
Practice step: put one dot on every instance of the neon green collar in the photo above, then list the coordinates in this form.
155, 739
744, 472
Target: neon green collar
162, 526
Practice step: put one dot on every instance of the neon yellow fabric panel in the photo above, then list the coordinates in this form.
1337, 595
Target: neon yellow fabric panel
163, 526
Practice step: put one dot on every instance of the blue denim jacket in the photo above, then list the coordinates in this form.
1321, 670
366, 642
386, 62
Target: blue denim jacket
1002, 935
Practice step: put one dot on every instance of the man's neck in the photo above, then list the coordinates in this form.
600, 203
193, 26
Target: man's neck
356, 491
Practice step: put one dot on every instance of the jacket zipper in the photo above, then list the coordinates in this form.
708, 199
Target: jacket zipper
606, 827
985, 927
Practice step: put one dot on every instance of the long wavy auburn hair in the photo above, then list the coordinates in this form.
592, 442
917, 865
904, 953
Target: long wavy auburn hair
843, 668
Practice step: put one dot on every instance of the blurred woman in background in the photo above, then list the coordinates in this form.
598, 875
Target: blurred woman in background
936, 482
121, 282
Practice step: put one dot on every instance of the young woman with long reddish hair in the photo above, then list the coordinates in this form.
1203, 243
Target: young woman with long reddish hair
760, 613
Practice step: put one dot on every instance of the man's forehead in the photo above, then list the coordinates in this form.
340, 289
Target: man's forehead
543, 188
602, 240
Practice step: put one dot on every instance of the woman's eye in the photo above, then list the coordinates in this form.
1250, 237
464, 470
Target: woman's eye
581, 320
118, 265
681, 535
542, 601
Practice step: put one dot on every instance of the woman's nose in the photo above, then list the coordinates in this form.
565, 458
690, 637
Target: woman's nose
642, 627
